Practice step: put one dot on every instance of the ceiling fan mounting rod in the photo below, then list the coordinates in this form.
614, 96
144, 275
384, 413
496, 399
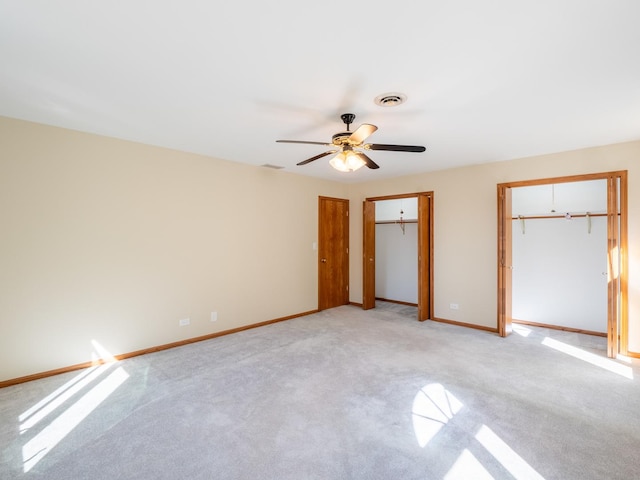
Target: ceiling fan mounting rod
348, 119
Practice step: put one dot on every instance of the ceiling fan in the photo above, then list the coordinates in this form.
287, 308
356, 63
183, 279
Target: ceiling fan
348, 146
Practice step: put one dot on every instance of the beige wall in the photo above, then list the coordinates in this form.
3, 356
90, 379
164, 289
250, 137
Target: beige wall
466, 224
114, 241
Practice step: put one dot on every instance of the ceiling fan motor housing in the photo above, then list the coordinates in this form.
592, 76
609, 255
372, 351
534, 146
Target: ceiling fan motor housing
341, 138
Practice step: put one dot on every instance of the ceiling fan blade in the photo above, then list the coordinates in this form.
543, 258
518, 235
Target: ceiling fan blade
395, 148
361, 133
303, 141
370, 163
309, 160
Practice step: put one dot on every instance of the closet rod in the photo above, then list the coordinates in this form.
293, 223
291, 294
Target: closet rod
394, 222
577, 215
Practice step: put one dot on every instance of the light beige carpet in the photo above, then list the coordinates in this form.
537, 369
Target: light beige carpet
342, 394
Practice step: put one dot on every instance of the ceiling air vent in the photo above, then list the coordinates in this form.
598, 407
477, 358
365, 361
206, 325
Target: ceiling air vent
390, 99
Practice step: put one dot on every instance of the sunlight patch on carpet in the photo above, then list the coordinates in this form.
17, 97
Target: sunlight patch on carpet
433, 407
504, 454
54, 395
36, 448
467, 466
53, 433
520, 330
62, 396
588, 357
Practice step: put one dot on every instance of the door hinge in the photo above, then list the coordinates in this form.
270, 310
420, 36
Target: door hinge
347, 250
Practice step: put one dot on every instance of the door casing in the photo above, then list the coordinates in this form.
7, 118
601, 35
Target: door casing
617, 290
425, 252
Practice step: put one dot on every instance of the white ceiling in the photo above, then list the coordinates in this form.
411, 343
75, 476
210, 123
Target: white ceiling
486, 80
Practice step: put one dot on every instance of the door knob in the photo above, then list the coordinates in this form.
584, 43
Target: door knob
323, 260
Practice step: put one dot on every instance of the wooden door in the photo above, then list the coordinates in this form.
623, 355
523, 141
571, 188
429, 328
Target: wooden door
622, 319
425, 257
369, 255
333, 252
613, 266
504, 261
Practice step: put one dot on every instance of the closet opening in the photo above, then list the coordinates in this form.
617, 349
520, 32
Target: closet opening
562, 261
559, 246
398, 252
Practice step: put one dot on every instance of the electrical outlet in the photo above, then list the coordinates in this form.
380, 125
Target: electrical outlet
183, 322
214, 316
454, 306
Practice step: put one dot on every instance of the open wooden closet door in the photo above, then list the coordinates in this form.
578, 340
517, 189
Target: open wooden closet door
613, 266
505, 267
369, 255
425, 257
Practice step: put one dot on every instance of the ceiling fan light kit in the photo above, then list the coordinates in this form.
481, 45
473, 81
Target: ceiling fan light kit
347, 161
348, 158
